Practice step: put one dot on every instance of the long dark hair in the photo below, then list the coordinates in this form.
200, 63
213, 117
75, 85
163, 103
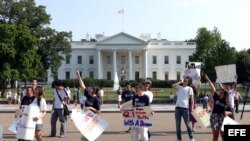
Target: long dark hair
40, 94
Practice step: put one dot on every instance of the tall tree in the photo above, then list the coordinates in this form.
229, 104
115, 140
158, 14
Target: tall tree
212, 51
51, 45
243, 66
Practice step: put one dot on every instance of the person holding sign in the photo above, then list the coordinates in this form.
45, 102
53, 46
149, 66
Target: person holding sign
139, 100
220, 110
41, 103
184, 92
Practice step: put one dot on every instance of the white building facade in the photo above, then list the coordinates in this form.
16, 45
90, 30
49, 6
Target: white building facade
129, 56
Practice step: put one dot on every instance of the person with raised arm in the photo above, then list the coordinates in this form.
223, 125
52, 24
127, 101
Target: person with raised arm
221, 109
184, 93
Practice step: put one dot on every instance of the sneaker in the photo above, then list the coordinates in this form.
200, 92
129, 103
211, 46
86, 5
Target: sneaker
192, 139
61, 136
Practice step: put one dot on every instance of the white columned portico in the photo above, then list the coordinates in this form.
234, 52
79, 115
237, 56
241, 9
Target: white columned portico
130, 64
114, 63
99, 68
146, 63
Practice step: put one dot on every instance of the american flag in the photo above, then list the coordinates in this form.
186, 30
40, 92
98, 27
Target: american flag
120, 11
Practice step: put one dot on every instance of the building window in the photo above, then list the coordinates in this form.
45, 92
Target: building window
178, 59
91, 59
67, 75
154, 74
166, 75
189, 58
67, 59
108, 75
137, 61
79, 59
108, 60
91, 74
178, 75
123, 60
154, 60
137, 75
166, 61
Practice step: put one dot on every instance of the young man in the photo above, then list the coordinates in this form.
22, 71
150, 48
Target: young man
184, 92
60, 98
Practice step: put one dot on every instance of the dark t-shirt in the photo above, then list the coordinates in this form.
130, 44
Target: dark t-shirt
27, 100
92, 101
128, 95
140, 101
219, 105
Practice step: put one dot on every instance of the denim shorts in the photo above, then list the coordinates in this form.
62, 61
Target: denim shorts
39, 127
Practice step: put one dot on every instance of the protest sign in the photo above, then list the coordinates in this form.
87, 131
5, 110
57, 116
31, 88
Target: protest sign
226, 73
193, 70
126, 105
26, 126
1, 132
137, 117
228, 121
201, 116
88, 123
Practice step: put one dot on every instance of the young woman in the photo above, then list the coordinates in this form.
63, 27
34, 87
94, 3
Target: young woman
139, 100
41, 103
221, 109
92, 102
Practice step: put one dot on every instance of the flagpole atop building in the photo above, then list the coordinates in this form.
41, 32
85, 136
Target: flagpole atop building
122, 12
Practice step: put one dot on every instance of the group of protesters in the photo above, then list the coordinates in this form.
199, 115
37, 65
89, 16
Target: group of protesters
89, 99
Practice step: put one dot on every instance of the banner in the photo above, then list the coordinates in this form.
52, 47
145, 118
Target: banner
26, 126
1, 132
88, 123
202, 117
193, 70
137, 117
228, 121
226, 73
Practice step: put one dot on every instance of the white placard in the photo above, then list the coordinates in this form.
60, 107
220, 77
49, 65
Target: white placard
88, 123
228, 121
26, 126
226, 73
202, 117
137, 117
193, 70
1, 132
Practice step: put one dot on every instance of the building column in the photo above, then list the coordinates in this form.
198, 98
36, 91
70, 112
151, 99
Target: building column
130, 64
114, 63
99, 68
145, 63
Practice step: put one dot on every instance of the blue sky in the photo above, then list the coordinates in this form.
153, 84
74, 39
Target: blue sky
176, 20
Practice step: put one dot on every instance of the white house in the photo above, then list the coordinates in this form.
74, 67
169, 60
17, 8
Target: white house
129, 56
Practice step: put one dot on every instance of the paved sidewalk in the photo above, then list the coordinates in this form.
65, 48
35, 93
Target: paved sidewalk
112, 108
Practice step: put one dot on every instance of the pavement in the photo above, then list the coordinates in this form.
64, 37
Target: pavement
163, 128
112, 108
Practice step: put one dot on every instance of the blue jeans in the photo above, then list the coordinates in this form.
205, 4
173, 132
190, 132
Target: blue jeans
57, 113
182, 112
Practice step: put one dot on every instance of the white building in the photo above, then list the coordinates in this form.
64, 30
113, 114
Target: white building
129, 56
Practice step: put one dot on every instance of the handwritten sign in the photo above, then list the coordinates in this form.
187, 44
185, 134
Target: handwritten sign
201, 116
26, 125
226, 73
137, 117
193, 69
88, 123
1, 132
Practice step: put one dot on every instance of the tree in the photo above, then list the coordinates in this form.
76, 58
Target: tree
212, 51
50, 46
243, 66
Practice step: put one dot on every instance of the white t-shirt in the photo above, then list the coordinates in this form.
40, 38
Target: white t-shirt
231, 94
57, 102
150, 95
101, 93
42, 107
183, 94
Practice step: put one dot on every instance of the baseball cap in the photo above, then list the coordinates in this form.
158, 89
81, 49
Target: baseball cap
148, 81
